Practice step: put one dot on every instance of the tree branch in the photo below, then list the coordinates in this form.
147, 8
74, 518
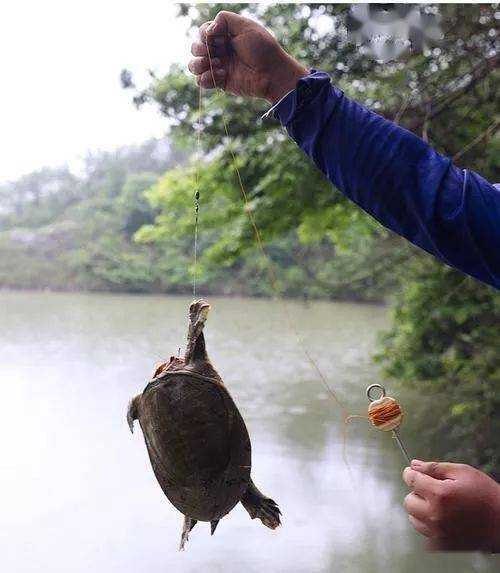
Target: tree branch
491, 129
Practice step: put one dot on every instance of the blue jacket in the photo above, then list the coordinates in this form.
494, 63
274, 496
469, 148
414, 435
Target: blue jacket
397, 177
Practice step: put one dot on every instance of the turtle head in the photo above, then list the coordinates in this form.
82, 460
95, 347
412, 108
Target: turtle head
198, 312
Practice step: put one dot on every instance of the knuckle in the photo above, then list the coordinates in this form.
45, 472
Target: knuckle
436, 516
445, 492
197, 66
409, 476
198, 49
407, 501
433, 466
441, 497
203, 28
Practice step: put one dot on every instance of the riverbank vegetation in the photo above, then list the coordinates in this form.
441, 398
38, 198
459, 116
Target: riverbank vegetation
126, 223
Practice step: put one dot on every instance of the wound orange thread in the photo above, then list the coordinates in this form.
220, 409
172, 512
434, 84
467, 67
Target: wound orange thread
385, 414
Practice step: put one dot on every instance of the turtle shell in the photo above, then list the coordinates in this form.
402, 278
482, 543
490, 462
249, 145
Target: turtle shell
197, 442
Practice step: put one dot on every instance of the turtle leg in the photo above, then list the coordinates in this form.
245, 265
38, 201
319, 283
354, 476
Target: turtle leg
133, 411
258, 505
188, 525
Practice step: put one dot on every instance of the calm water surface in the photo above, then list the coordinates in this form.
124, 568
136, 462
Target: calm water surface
77, 493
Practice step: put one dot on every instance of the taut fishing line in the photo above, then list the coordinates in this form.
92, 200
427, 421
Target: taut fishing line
197, 194
272, 274
270, 266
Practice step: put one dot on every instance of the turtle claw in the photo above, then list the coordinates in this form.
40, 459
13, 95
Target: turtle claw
269, 514
261, 507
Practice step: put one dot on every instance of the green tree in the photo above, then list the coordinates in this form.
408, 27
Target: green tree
449, 96
450, 85
65, 232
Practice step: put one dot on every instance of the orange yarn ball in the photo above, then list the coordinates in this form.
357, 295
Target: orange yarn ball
385, 414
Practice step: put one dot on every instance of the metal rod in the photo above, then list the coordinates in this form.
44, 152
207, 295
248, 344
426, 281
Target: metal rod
395, 435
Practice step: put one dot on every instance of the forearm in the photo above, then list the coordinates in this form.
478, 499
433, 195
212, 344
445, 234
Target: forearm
397, 177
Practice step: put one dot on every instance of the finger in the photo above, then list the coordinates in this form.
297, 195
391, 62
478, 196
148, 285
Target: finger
205, 80
420, 526
203, 31
422, 484
198, 66
417, 506
217, 43
199, 49
437, 470
227, 24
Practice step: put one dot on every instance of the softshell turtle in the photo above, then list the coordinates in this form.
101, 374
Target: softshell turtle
197, 440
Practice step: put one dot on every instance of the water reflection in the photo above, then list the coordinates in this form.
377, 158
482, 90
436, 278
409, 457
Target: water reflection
77, 492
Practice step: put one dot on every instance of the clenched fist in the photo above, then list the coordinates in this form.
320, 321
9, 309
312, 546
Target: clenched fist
456, 506
246, 59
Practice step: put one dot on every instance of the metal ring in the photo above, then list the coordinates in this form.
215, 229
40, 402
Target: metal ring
369, 392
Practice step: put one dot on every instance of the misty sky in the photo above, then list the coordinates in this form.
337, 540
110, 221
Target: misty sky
60, 66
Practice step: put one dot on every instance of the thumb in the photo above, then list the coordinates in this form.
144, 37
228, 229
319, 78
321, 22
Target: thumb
226, 23
437, 470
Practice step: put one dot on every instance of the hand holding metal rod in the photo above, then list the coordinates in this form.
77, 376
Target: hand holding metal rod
386, 415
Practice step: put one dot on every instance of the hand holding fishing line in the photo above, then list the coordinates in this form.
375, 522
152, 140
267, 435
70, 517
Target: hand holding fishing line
246, 59
455, 506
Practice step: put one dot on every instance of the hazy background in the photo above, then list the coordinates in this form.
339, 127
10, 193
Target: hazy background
61, 94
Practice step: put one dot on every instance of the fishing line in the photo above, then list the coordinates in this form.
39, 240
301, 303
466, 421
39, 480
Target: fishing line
196, 223
277, 291
197, 193
270, 265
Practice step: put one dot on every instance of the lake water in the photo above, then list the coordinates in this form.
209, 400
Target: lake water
77, 493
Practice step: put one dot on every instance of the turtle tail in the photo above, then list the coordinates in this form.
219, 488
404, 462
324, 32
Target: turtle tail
186, 528
262, 507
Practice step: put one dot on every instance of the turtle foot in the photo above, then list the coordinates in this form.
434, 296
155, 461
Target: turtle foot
261, 507
132, 412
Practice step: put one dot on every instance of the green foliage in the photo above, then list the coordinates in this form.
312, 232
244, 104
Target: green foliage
443, 338
445, 342
132, 206
62, 232
286, 194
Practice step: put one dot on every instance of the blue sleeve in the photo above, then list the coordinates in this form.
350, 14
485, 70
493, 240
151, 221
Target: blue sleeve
397, 177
